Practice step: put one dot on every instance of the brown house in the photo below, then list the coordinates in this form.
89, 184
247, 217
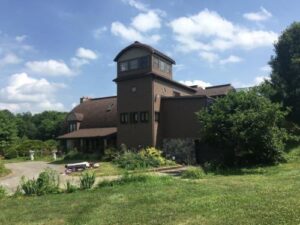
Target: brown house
150, 109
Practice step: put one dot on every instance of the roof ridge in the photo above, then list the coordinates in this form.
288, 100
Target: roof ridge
221, 85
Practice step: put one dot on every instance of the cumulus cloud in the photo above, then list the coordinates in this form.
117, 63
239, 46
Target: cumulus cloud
24, 93
86, 53
256, 81
261, 15
131, 34
231, 59
8, 59
208, 31
146, 21
142, 26
199, 83
49, 67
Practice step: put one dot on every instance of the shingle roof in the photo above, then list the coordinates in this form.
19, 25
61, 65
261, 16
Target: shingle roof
89, 133
155, 76
212, 91
137, 44
97, 112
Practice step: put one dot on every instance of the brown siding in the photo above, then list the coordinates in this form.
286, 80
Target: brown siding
160, 89
178, 117
137, 134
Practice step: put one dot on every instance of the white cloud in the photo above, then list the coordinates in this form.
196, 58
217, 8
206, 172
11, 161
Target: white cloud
266, 68
21, 38
256, 81
24, 93
78, 62
99, 32
9, 58
208, 31
146, 21
131, 34
136, 4
50, 67
199, 83
86, 53
260, 79
231, 59
261, 15
209, 56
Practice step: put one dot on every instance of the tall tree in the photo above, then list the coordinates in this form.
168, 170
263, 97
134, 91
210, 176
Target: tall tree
8, 129
285, 77
49, 124
26, 127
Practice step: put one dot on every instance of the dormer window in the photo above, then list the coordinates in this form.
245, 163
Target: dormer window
72, 126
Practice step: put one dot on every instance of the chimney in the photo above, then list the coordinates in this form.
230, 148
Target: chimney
84, 99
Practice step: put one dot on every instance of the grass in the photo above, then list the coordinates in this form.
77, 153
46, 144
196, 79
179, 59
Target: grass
268, 195
3, 171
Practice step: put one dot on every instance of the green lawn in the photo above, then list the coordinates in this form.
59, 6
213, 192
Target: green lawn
256, 196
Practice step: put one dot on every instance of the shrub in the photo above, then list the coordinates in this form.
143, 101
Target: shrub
110, 154
3, 170
46, 183
70, 188
148, 157
193, 173
29, 187
245, 128
2, 192
87, 180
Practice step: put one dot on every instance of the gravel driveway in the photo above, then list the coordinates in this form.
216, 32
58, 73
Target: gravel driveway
30, 170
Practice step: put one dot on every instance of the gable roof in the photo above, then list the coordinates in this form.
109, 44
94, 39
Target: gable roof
217, 90
97, 112
154, 51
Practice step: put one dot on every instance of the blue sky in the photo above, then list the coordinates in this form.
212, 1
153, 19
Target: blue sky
54, 52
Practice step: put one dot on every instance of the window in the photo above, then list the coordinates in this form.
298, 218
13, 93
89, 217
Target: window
144, 117
161, 65
155, 62
124, 118
134, 117
144, 62
123, 66
133, 64
72, 126
157, 116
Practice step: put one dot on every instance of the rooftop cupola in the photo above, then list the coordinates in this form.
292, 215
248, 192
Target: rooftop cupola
139, 58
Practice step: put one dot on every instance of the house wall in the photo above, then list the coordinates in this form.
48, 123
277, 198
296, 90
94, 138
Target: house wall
178, 119
134, 135
161, 89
